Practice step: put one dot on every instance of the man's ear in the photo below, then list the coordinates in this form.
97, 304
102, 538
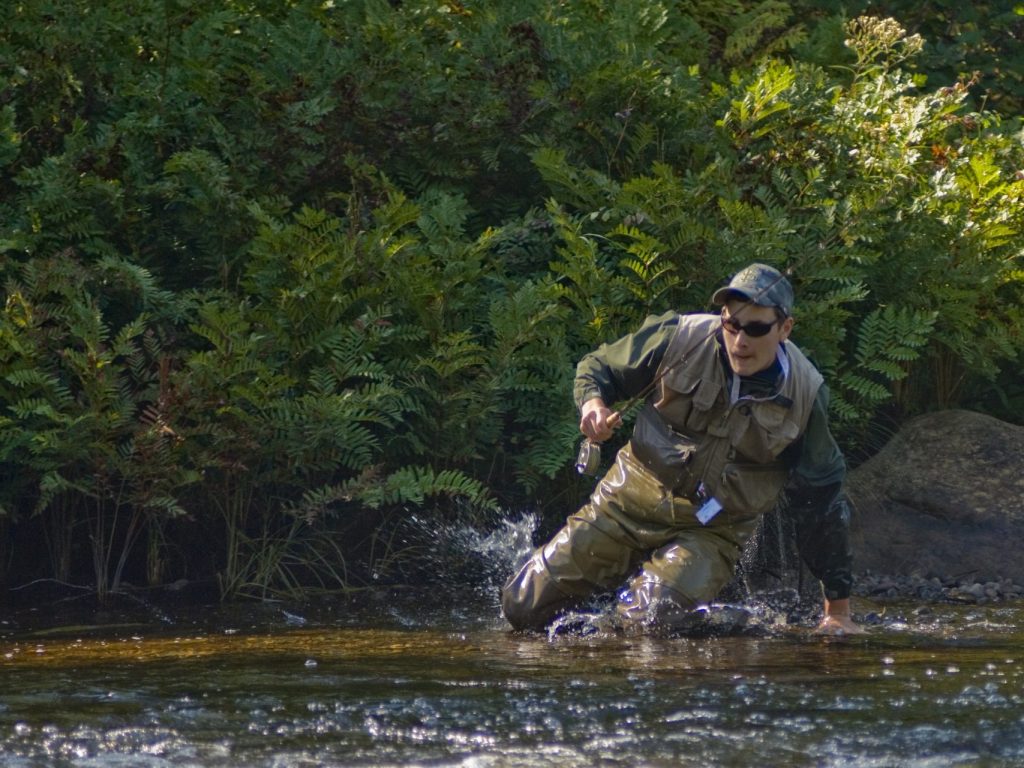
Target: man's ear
786, 328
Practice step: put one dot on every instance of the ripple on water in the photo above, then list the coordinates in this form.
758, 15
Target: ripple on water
941, 691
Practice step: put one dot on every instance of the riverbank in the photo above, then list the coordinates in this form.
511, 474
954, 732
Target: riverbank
46, 608
954, 589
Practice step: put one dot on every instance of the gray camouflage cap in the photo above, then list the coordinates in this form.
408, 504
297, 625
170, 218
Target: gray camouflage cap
760, 284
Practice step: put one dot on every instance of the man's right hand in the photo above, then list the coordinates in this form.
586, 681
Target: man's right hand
598, 421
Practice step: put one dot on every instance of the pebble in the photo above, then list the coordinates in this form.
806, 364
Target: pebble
936, 589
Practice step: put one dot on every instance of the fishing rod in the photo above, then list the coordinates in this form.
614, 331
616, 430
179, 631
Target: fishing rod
589, 457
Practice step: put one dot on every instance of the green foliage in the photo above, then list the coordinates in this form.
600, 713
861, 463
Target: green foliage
282, 274
888, 340
415, 484
84, 431
977, 42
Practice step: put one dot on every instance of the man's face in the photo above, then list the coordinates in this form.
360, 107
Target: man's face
750, 354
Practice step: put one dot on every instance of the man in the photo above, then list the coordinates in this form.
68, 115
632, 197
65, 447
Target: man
735, 414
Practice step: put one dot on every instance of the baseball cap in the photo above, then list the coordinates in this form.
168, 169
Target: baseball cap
760, 284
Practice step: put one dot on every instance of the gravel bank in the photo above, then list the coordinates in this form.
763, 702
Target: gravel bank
936, 589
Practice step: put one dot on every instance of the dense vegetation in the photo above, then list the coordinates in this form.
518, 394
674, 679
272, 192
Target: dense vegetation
278, 275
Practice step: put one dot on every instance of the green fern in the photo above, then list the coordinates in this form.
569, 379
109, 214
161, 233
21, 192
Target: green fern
761, 28
648, 275
417, 484
889, 339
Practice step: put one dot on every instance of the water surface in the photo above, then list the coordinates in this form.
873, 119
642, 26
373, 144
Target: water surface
402, 682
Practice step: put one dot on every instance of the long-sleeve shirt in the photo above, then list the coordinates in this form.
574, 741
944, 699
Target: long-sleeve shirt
622, 369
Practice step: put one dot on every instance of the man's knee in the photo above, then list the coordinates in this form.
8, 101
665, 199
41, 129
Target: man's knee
675, 580
648, 601
530, 599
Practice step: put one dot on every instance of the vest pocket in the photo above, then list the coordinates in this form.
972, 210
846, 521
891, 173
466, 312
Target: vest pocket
761, 431
679, 405
751, 489
665, 452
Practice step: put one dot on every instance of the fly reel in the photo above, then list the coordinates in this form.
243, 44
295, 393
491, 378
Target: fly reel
589, 458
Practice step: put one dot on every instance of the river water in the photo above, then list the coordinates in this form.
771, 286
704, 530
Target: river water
420, 680
399, 688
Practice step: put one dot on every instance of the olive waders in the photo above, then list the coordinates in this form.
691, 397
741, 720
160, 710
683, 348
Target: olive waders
631, 521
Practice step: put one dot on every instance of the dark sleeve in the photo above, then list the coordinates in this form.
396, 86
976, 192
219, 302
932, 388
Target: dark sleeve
621, 369
821, 517
816, 458
820, 509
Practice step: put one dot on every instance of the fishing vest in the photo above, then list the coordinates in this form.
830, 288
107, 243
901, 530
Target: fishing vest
700, 444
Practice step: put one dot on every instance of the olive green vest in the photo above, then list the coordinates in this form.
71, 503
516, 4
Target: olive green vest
694, 439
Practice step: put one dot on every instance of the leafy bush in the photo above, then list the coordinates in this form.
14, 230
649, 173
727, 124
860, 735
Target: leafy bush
284, 274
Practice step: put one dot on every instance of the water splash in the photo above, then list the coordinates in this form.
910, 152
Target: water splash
716, 619
473, 557
585, 623
476, 556
503, 550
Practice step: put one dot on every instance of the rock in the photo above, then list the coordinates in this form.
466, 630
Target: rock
975, 590
946, 497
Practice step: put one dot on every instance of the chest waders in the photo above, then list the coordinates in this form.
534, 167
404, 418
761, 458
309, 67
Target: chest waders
695, 440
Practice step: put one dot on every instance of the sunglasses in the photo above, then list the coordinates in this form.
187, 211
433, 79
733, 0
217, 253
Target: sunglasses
754, 329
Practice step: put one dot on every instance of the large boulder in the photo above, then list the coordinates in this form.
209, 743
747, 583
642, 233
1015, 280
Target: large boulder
944, 498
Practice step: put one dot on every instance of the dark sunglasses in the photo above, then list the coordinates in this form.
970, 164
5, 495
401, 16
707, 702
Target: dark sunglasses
753, 329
